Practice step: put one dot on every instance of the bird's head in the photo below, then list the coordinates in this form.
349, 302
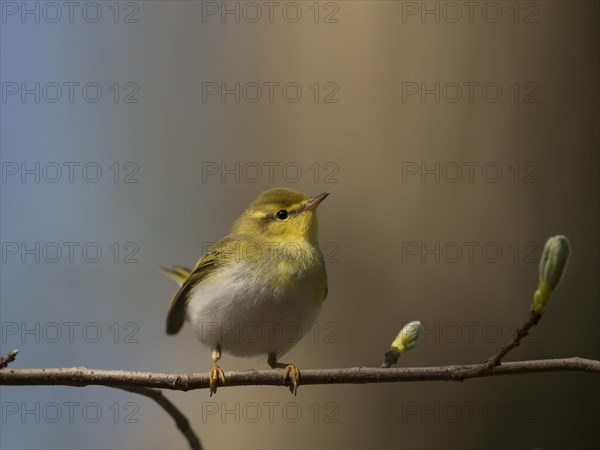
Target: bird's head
281, 215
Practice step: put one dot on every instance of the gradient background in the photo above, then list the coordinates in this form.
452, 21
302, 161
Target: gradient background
361, 145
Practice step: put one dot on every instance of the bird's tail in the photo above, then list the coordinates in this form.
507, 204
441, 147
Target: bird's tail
177, 273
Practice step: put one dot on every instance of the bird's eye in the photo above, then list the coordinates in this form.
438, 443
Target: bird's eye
282, 215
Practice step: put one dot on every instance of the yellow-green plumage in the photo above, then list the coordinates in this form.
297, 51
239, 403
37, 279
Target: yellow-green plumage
177, 273
269, 269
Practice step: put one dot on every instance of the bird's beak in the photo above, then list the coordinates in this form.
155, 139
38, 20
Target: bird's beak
313, 202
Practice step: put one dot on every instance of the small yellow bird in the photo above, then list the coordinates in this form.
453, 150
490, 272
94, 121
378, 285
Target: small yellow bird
258, 290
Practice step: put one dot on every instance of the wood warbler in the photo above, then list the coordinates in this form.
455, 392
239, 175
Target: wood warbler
258, 290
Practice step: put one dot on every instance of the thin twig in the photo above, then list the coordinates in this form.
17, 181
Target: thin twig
181, 420
143, 383
80, 376
523, 331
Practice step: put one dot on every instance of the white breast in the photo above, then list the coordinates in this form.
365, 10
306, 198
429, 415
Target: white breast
247, 316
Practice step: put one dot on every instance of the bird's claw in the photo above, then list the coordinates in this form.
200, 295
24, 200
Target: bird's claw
293, 373
214, 376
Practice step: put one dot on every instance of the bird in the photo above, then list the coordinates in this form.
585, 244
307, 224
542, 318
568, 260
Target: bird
258, 290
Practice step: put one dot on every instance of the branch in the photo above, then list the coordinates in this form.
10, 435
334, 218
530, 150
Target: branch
552, 266
181, 421
81, 376
522, 332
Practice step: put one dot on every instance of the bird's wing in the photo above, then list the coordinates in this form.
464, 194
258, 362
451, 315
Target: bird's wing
206, 265
325, 287
177, 273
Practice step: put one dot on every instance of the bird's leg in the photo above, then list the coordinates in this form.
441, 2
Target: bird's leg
290, 371
215, 373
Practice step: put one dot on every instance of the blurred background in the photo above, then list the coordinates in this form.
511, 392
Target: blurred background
455, 138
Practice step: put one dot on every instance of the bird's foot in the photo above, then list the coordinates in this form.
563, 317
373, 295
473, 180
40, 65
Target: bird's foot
215, 375
293, 373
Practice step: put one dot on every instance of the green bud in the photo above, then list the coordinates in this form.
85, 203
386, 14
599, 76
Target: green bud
408, 338
553, 265
555, 258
